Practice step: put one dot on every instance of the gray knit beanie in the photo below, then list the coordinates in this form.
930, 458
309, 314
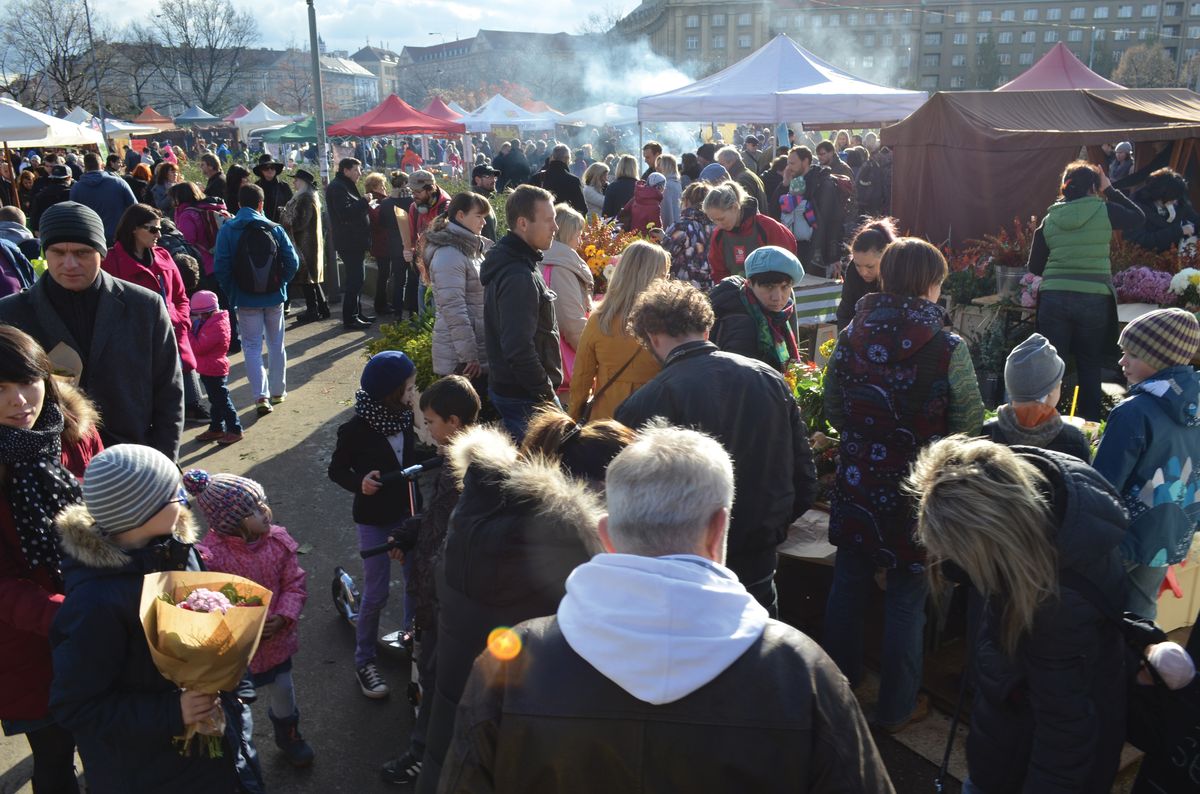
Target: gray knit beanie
127, 484
1032, 370
71, 222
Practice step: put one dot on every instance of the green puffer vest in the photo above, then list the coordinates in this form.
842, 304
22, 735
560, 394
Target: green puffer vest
1079, 236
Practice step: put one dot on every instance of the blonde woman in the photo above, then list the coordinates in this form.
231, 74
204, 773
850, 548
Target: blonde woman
1037, 534
568, 275
610, 364
620, 190
739, 228
668, 166
595, 181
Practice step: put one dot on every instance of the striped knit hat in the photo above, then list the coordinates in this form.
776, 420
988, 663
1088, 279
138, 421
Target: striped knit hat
225, 499
126, 485
1163, 338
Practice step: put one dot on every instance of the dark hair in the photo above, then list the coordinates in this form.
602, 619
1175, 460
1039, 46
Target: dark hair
250, 196
1165, 185
10, 213
522, 202
855, 156
113, 158
189, 272
653, 146
875, 234
162, 170
583, 451
689, 165
135, 215
802, 152
91, 161
450, 396
185, 191
22, 359
348, 162
769, 278
910, 266
675, 308
778, 164
211, 159
824, 146
1079, 179
398, 179
708, 151
465, 202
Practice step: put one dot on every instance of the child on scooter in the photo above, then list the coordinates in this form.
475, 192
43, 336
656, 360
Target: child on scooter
378, 439
449, 406
242, 540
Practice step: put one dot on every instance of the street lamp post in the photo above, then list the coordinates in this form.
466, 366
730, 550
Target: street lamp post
333, 277
87, 15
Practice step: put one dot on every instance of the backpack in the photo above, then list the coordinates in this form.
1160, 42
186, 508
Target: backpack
213, 211
257, 269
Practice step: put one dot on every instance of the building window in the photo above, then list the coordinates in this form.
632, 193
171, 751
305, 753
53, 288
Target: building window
929, 81
743, 20
869, 40
851, 19
958, 81
1005, 58
932, 39
1025, 59
889, 18
1194, 32
1099, 34
981, 38
958, 60
960, 39
1028, 37
963, 17
1190, 53
1143, 34
1195, 10
744, 42
1075, 35
868, 61
1078, 12
834, 20
935, 18
1031, 15
1124, 12
719, 41
692, 43
1005, 38
1172, 9
1050, 37
984, 16
1170, 31
886, 39
818, 21
905, 39
1053, 14
904, 61
1150, 10
1121, 35
718, 20
1008, 15
799, 20
932, 59
691, 21
852, 62
868, 19
1100, 12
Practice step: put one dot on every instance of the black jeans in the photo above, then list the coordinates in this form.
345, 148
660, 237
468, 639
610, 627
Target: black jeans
1079, 324
406, 280
383, 271
352, 290
53, 750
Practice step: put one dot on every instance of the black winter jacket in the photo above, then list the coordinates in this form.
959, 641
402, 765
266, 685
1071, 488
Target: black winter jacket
276, 195
518, 531
747, 406
1159, 234
734, 330
780, 719
349, 215
853, 288
519, 326
617, 195
1052, 719
565, 186
361, 450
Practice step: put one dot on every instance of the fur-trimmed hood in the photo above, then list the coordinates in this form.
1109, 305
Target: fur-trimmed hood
443, 233
86, 547
79, 412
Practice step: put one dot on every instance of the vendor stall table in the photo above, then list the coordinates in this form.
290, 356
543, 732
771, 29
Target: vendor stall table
817, 300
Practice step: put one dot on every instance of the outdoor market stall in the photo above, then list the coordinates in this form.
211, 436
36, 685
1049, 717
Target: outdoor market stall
1057, 70
501, 112
440, 110
259, 119
394, 116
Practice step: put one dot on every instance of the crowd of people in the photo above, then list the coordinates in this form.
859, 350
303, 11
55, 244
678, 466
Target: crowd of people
617, 473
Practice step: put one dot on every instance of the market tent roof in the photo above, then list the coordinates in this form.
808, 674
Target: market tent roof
111, 126
57, 132
1057, 69
968, 162
195, 115
440, 110
605, 114
501, 112
782, 81
457, 108
300, 132
151, 116
258, 118
237, 113
394, 116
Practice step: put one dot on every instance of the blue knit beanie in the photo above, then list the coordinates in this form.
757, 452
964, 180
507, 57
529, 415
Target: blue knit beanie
385, 373
714, 174
773, 259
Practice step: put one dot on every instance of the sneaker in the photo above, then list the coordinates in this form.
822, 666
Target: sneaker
263, 406
371, 682
920, 711
402, 771
277, 400
229, 438
211, 435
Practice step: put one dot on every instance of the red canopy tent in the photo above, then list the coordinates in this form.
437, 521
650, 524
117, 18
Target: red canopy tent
394, 116
440, 110
237, 113
1058, 69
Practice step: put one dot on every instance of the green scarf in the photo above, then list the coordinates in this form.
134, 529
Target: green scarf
776, 341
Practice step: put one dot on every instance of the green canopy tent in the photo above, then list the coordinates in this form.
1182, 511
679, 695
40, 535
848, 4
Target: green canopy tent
299, 132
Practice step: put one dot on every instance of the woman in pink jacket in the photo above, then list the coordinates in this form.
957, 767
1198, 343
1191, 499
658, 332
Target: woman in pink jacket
198, 218
242, 540
136, 257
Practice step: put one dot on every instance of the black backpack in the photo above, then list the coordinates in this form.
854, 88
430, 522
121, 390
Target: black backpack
257, 269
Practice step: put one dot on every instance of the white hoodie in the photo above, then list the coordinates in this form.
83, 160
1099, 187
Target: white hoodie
658, 627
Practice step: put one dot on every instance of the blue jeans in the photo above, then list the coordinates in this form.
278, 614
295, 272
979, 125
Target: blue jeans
254, 324
904, 623
1144, 581
224, 415
515, 412
1079, 324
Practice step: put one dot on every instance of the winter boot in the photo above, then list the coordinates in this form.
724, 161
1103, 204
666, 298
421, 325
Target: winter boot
289, 740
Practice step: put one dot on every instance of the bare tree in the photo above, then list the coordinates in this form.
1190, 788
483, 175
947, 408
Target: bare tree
132, 79
48, 38
1145, 66
198, 49
601, 21
293, 75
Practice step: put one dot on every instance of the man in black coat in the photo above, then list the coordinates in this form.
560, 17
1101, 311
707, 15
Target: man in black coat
745, 405
350, 218
558, 179
483, 182
57, 190
524, 362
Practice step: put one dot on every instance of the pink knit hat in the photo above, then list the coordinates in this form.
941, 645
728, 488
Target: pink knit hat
225, 499
204, 302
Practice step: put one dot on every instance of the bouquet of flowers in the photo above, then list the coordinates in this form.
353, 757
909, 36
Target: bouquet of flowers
1027, 290
1186, 285
203, 628
600, 247
1143, 285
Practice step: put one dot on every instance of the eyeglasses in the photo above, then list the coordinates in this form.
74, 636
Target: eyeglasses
181, 497
153, 229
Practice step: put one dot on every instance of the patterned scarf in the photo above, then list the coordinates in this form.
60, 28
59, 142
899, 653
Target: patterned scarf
39, 485
775, 338
383, 419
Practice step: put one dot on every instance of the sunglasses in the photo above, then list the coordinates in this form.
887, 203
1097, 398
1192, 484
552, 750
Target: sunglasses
153, 229
181, 497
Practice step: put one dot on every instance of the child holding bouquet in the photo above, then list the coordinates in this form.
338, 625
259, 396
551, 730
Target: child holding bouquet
243, 540
106, 689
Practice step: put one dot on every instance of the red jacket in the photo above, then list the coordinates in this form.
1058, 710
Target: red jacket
755, 231
644, 209
162, 277
417, 220
210, 343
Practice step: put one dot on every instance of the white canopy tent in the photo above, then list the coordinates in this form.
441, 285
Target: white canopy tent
457, 108
260, 117
501, 112
782, 82
57, 132
112, 127
605, 114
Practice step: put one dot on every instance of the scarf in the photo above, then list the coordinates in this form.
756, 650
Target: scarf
383, 419
39, 485
776, 341
1033, 425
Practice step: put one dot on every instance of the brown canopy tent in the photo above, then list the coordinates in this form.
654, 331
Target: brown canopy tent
968, 162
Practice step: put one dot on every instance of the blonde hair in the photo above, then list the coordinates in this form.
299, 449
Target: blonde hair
570, 222
594, 173
694, 194
981, 506
627, 166
641, 264
667, 165
374, 182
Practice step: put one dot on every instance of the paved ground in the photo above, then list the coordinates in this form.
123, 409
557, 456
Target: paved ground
288, 452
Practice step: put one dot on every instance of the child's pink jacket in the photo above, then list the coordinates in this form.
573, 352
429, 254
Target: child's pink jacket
210, 344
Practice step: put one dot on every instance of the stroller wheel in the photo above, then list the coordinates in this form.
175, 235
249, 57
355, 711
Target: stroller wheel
345, 595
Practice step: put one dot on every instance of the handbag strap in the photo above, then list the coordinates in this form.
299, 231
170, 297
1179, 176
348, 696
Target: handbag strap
600, 393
